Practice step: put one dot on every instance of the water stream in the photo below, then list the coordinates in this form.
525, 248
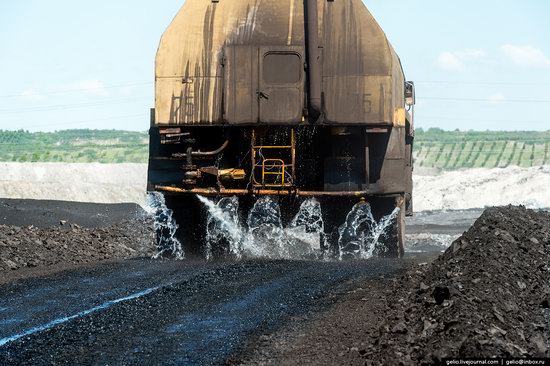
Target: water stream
264, 234
361, 236
165, 227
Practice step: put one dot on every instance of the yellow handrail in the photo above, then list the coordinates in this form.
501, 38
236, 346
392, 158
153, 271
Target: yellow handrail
274, 164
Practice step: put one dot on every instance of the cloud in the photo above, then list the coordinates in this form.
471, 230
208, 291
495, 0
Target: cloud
497, 98
31, 95
526, 55
456, 61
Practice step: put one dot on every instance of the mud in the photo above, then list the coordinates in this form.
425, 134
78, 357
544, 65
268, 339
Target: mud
486, 296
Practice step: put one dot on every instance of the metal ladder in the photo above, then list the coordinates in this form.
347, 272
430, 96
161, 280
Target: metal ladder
275, 172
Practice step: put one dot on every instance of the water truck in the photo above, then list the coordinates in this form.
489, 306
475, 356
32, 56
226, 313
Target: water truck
291, 99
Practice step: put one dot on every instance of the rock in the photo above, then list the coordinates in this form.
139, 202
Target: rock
10, 264
506, 236
538, 342
441, 294
499, 317
427, 325
423, 286
534, 240
522, 351
509, 306
62, 222
494, 330
400, 328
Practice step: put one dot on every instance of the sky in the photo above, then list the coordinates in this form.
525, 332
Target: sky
480, 65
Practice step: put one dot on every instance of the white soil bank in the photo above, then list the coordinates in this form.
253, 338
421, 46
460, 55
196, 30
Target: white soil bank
118, 183
98, 183
478, 188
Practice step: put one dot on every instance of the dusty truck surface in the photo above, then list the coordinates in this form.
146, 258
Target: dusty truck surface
286, 98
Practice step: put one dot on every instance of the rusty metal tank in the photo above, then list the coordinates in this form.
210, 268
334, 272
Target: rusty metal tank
217, 57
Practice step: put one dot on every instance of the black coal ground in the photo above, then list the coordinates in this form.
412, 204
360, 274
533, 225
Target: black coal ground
37, 233
203, 318
486, 296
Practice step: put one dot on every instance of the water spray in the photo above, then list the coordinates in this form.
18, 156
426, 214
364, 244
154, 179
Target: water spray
168, 246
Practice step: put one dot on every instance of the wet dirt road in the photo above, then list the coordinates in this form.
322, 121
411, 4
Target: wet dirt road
179, 312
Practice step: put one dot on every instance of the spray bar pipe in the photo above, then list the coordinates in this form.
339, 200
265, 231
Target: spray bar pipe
261, 192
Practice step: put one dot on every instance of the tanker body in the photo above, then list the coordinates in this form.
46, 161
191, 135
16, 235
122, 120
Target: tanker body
287, 98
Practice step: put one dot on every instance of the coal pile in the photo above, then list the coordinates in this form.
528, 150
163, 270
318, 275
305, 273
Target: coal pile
487, 296
69, 243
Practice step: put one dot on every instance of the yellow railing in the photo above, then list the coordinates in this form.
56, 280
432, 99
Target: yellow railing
273, 164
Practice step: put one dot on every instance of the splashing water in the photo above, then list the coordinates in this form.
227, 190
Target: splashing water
348, 170
307, 229
360, 234
265, 236
223, 231
309, 217
165, 227
352, 234
380, 231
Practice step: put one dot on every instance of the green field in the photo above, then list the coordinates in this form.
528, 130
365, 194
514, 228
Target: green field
450, 150
74, 146
434, 148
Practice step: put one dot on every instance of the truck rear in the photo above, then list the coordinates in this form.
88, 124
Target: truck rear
288, 98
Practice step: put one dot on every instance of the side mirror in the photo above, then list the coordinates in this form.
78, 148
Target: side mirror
410, 96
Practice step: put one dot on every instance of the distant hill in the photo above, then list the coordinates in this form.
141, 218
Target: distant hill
434, 148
